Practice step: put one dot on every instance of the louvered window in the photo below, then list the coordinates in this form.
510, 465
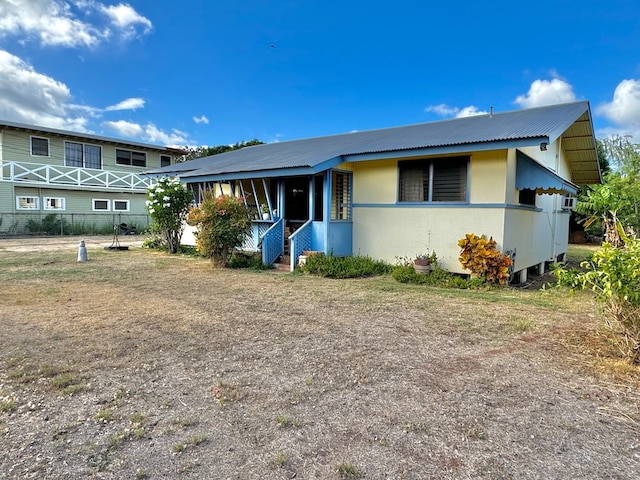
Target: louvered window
341, 193
435, 180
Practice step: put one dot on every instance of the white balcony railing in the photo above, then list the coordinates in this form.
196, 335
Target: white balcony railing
38, 173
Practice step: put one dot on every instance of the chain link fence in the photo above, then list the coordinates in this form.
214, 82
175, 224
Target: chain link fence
38, 223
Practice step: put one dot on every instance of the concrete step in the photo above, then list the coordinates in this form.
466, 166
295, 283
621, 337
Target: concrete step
284, 264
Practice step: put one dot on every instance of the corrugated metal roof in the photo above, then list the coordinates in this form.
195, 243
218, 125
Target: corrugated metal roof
535, 124
85, 136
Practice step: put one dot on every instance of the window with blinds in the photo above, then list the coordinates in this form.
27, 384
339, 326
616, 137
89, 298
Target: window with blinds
433, 180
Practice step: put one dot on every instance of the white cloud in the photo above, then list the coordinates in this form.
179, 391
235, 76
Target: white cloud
126, 19
58, 22
127, 104
623, 110
27, 96
155, 135
148, 133
547, 92
445, 110
51, 21
31, 97
201, 119
128, 129
470, 111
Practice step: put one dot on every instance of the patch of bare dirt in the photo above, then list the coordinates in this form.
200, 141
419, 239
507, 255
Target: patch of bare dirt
139, 364
43, 244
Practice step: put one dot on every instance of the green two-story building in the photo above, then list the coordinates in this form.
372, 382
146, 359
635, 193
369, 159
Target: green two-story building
83, 181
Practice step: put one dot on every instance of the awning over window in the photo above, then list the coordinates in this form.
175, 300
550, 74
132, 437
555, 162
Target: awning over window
533, 176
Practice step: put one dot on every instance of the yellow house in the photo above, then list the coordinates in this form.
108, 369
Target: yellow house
398, 192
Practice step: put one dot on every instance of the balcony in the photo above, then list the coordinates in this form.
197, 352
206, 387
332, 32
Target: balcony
55, 175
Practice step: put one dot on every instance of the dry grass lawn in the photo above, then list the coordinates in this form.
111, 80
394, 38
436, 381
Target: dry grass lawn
139, 364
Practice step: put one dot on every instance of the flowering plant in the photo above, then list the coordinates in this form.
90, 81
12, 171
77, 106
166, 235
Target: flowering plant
425, 259
223, 224
264, 208
168, 203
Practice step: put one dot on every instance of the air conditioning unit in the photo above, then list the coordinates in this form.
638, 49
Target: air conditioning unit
569, 203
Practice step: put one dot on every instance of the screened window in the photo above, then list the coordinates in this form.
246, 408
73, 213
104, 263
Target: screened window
435, 180
27, 203
53, 203
165, 160
100, 205
121, 205
39, 147
82, 155
130, 157
527, 196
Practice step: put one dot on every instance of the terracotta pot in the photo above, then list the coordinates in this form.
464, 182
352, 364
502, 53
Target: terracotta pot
423, 269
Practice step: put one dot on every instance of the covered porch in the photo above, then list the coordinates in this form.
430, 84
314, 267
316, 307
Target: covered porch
292, 214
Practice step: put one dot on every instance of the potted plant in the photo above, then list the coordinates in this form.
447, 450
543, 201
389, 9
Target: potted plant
264, 208
423, 263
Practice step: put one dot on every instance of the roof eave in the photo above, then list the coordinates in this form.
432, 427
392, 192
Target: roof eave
449, 149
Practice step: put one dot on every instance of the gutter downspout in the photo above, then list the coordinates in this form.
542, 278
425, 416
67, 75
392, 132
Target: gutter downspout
555, 204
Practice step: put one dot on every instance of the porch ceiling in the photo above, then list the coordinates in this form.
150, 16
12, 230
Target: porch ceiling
578, 143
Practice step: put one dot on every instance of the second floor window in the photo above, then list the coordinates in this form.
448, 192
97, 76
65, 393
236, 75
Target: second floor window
39, 147
82, 155
130, 157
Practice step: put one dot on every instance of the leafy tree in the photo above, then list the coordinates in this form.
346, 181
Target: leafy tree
168, 203
198, 152
223, 224
618, 197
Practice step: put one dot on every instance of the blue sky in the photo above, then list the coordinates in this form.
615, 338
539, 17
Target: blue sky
207, 72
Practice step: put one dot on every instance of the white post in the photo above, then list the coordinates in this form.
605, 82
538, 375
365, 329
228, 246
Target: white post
82, 252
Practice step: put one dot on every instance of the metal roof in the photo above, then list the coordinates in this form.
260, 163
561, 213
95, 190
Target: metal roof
87, 136
492, 131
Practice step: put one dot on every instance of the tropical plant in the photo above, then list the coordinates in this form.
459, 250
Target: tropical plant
618, 197
223, 224
480, 256
168, 203
613, 273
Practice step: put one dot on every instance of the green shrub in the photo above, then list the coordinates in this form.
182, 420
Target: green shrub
438, 277
247, 260
51, 224
223, 224
344, 267
613, 273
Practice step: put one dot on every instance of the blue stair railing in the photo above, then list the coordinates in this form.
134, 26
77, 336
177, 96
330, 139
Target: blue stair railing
300, 240
272, 242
